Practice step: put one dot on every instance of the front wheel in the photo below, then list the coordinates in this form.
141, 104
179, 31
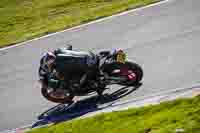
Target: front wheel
57, 96
132, 72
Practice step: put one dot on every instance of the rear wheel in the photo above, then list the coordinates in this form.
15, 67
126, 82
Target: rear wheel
57, 96
132, 72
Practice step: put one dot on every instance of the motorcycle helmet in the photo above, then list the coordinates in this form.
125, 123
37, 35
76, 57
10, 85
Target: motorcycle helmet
50, 58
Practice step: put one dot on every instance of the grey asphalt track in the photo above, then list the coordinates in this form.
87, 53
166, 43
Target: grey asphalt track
164, 39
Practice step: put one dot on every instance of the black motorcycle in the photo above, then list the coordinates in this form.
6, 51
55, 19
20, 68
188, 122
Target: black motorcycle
114, 69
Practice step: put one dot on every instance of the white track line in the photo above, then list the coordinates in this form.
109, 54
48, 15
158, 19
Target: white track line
92, 22
169, 91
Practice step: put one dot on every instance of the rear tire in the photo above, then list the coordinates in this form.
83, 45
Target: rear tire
137, 70
109, 68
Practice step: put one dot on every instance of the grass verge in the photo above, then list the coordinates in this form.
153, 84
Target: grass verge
181, 115
21, 20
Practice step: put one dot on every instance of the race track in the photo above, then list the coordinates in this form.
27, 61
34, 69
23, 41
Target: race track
163, 39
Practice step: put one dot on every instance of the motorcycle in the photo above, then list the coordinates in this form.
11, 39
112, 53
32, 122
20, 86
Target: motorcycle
116, 69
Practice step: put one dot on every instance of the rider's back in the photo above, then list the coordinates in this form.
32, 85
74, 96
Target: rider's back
70, 63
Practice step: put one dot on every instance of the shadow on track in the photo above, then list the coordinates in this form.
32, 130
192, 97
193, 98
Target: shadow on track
63, 112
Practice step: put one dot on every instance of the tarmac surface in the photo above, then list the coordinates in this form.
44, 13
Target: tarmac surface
164, 39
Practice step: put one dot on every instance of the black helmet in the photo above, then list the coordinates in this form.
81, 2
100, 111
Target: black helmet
50, 58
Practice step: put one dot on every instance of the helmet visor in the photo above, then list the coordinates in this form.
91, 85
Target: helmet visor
50, 61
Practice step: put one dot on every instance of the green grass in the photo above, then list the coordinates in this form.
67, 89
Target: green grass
21, 20
164, 118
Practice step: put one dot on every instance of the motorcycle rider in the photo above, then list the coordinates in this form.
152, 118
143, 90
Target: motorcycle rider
59, 66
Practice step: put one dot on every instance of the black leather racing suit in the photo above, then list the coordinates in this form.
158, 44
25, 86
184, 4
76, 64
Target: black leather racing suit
70, 65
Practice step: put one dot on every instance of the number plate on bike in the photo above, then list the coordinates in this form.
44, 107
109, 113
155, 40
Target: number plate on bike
121, 57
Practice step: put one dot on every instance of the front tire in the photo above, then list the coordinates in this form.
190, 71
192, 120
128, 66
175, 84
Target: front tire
65, 100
